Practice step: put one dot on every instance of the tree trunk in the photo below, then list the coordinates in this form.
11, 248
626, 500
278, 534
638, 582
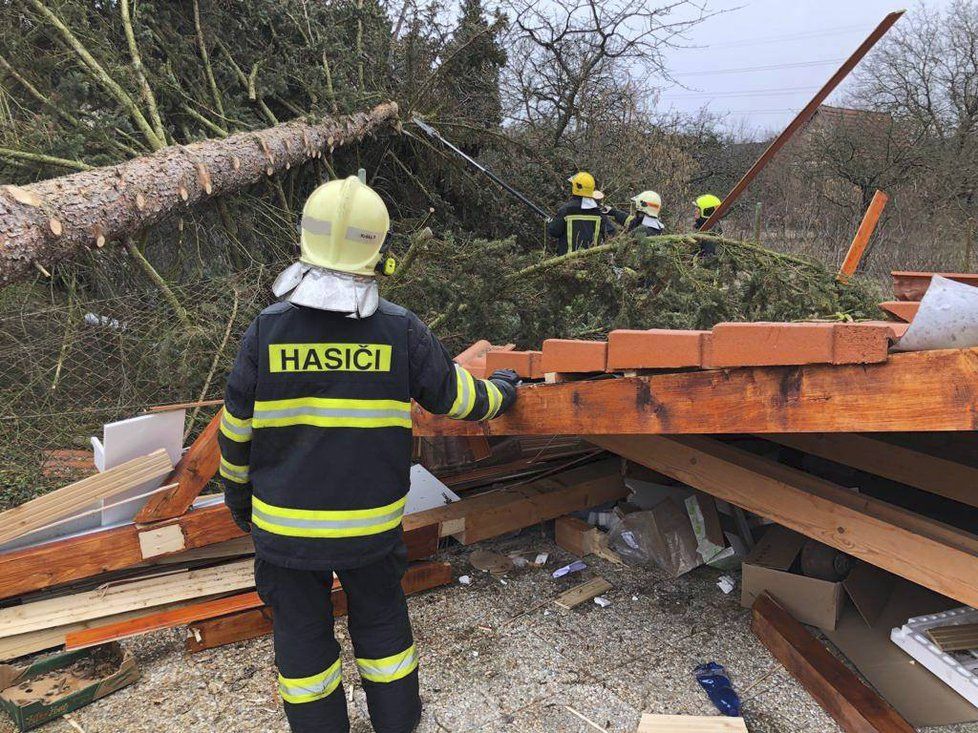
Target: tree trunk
54, 220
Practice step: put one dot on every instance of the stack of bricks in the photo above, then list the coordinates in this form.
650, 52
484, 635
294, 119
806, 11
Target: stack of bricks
728, 345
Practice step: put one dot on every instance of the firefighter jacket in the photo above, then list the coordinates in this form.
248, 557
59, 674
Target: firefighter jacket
638, 223
575, 227
316, 428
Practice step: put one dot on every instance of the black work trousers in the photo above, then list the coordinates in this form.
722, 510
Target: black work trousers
308, 656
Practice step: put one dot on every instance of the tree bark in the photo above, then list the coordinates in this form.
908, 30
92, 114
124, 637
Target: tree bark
54, 220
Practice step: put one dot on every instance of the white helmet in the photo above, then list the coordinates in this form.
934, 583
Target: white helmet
648, 202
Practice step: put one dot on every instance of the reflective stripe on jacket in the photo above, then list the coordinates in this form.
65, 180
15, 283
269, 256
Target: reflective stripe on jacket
576, 228
316, 429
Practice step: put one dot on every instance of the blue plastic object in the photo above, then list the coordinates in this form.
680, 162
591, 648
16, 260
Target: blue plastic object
713, 678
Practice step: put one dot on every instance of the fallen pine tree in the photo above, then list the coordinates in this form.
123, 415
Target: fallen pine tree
53, 220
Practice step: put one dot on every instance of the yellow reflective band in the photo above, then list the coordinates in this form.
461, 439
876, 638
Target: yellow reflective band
298, 690
235, 428
238, 474
329, 358
495, 399
462, 393
328, 412
326, 523
389, 669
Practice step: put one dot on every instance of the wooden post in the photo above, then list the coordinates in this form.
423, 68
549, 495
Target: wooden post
801, 119
861, 240
757, 222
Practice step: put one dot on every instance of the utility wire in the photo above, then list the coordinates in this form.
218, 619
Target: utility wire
840, 30
773, 92
772, 67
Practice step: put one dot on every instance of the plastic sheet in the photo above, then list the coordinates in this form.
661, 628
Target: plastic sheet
662, 536
713, 678
947, 318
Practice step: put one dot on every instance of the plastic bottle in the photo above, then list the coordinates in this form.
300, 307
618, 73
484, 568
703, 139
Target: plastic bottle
713, 678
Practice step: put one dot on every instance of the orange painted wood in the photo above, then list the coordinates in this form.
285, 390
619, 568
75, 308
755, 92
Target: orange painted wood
475, 351
571, 356
913, 285
77, 558
904, 310
657, 348
162, 620
256, 622
851, 703
802, 118
196, 468
917, 391
922, 550
859, 243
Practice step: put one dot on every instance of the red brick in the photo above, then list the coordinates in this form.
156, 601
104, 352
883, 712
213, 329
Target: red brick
657, 348
568, 356
776, 344
525, 363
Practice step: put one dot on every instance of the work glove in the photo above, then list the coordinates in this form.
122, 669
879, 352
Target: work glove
241, 514
507, 381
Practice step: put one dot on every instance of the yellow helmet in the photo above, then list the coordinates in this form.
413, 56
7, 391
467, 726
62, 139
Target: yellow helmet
648, 202
707, 204
582, 184
344, 226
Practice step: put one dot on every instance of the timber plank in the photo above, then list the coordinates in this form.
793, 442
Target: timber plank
214, 632
690, 724
192, 473
582, 593
507, 510
853, 705
161, 620
76, 558
913, 285
924, 551
928, 473
61, 503
915, 391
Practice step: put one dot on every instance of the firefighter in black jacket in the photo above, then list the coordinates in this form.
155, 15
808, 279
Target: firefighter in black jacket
315, 456
580, 223
644, 218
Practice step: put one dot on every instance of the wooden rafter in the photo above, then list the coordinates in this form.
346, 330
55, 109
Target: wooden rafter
916, 391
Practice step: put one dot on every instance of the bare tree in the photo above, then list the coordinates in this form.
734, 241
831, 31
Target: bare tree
565, 53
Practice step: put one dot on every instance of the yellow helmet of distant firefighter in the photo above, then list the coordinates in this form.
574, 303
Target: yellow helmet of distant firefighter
706, 205
582, 184
345, 225
648, 202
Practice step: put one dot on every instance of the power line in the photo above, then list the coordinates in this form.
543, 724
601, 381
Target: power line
775, 92
772, 67
788, 37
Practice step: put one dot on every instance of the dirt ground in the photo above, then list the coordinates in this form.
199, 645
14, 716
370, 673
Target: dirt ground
499, 657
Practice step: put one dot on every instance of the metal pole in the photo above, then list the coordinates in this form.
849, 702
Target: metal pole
802, 118
432, 132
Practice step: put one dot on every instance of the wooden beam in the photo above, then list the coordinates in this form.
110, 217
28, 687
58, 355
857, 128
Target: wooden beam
913, 285
214, 632
915, 391
69, 500
922, 550
928, 473
195, 469
162, 620
690, 724
866, 228
88, 555
852, 704
497, 512
802, 118
132, 595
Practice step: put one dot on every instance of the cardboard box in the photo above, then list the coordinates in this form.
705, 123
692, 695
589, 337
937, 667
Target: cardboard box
811, 601
51, 686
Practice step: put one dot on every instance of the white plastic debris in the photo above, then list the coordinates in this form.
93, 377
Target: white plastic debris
465, 579
541, 559
602, 601
519, 561
634, 598
726, 583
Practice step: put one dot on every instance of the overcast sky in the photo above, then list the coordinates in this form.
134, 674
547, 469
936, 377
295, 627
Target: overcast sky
806, 40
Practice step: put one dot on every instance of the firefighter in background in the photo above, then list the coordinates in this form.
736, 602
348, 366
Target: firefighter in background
316, 453
580, 223
643, 219
705, 206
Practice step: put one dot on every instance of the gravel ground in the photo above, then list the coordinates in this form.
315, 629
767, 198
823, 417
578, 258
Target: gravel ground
499, 657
